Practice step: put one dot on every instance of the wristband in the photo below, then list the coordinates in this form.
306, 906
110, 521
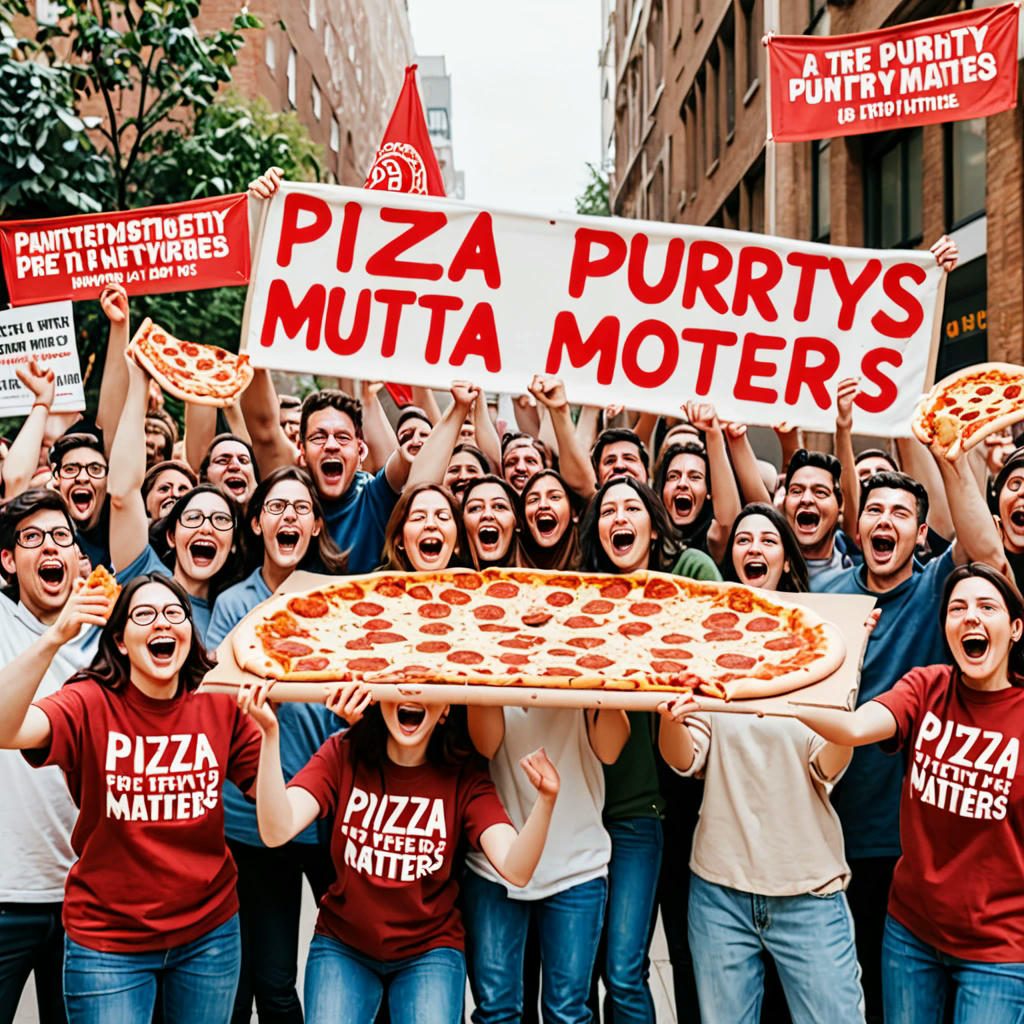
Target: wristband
42, 405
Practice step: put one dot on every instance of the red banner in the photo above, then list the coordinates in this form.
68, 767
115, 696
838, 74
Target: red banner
925, 72
183, 246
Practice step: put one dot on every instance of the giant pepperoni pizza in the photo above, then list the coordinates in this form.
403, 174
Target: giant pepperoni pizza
516, 627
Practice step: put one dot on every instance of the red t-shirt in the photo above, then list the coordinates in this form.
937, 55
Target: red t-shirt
959, 885
394, 834
153, 868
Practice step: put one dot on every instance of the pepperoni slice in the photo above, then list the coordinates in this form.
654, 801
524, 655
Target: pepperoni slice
586, 642
170, 351
380, 636
205, 364
316, 664
740, 661
454, 597
635, 628
434, 610
594, 661
1012, 391
189, 349
466, 657
433, 647
560, 670
377, 624
468, 580
537, 618
580, 622
223, 376
559, 599
502, 590
497, 627
360, 643
521, 643
561, 652
721, 620
658, 590
645, 608
972, 415
368, 664
671, 652
436, 628
720, 635
514, 659
784, 643
764, 624
313, 606
598, 607
488, 613
292, 648
420, 592
667, 668
616, 590
676, 638
984, 389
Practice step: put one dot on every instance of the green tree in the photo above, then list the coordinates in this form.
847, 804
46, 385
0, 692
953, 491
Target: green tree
593, 200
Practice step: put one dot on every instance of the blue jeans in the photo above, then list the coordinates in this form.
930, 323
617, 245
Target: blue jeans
632, 885
569, 926
31, 940
915, 979
343, 986
809, 937
197, 980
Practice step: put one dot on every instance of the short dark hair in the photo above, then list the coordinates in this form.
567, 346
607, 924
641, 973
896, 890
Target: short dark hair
876, 453
614, 435
67, 442
331, 398
412, 412
898, 482
38, 499
158, 467
680, 448
802, 458
288, 401
471, 449
204, 466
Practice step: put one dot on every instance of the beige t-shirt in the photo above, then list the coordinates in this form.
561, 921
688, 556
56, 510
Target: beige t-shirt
766, 824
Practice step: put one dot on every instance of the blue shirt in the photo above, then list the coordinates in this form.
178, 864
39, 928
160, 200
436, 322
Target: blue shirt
303, 727
908, 634
357, 519
149, 561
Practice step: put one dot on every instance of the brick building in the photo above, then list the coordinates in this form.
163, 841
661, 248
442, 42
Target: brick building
688, 99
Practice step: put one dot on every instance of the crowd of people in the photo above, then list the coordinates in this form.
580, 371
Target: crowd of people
156, 837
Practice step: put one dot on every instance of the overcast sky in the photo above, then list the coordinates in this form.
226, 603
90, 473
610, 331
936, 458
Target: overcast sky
525, 99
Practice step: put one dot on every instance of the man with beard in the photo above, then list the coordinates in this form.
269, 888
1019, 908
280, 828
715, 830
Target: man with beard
79, 466
40, 563
892, 522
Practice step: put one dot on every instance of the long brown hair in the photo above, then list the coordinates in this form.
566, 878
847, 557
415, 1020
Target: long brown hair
514, 554
565, 553
394, 555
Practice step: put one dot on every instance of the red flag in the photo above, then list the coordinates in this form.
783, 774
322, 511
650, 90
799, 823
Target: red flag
405, 162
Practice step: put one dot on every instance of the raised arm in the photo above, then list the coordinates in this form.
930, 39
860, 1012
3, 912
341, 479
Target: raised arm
722, 485
114, 385
22, 460
574, 463
849, 484
263, 421
486, 436
377, 433
977, 539
917, 462
424, 398
586, 426
200, 430
436, 453
608, 731
744, 464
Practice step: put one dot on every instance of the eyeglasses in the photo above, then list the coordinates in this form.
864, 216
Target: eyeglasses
276, 507
33, 537
193, 518
144, 614
69, 470
320, 438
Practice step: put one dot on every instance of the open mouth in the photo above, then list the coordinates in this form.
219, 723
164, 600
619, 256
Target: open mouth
458, 486
81, 500
430, 547
332, 470
237, 485
807, 520
287, 541
1017, 518
622, 540
410, 717
165, 506
518, 480
414, 448
546, 523
162, 648
975, 646
883, 545
682, 505
755, 571
203, 552
488, 536
52, 573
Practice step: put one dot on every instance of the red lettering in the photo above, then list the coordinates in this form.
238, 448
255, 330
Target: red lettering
603, 343
892, 285
669, 354
755, 288
711, 341
281, 309
422, 224
394, 300
851, 292
871, 369
477, 252
669, 276
479, 338
816, 377
347, 242
346, 346
809, 263
439, 305
750, 367
296, 204
583, 266
706, 279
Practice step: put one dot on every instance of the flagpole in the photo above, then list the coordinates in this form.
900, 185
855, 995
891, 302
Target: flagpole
771, 27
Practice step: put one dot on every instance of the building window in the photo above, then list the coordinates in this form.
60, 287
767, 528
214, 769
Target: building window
652, 53
892, 185
752, 37
965, 171
714, 128
754, 185
727, 43
290, 75
702, 121
270, 52
312, 14
692, 144
821, 192
437, 121
315, 95
335, 135
656, 194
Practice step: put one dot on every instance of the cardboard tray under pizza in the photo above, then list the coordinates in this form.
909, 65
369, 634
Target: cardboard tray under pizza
848, 612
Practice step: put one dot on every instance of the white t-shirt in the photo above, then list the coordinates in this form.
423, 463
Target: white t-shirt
578, 848
36, 810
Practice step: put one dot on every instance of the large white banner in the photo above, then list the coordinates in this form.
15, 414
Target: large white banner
386, 286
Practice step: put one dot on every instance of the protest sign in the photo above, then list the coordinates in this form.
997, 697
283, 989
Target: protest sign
949, 68
182, 246
387, 286
45, 333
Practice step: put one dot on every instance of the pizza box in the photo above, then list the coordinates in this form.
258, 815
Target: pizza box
848, 612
